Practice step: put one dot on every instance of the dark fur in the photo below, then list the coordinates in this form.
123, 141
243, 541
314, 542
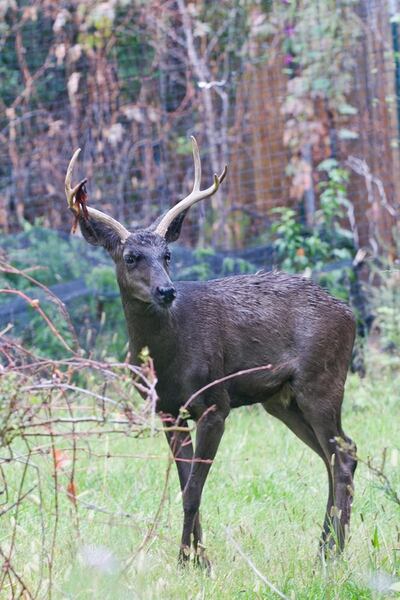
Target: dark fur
217, 328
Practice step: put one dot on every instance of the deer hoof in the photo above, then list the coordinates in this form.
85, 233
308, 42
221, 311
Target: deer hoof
201, 559
184, 556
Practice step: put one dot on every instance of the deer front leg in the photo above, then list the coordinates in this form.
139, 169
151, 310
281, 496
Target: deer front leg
182, 450
210, 428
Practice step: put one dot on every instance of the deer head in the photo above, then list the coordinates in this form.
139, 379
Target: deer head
142, 257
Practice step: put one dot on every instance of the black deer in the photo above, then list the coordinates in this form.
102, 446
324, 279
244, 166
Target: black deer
200, 332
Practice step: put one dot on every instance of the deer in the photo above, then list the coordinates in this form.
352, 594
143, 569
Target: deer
287, 339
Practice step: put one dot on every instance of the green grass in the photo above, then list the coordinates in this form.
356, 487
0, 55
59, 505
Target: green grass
266, 488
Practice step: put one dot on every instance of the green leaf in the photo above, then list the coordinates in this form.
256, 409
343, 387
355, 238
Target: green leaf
375, 539
328, 165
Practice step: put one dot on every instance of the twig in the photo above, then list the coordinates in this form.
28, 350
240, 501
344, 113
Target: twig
6, 510
7, 268
56, 508
8, 567
223, 379
14, 532
73, 388
34, 303
361, 167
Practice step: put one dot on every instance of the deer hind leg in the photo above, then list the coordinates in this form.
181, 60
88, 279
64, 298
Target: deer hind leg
323, 416
340, 450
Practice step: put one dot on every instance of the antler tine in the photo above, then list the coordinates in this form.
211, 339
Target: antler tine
70, 191
94, 214
195, 195
197, 164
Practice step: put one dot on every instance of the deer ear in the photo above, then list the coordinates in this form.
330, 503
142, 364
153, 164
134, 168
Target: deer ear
100, 234
174, 230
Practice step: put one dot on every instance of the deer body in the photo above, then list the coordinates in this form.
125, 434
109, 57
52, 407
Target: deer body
219, 327
200, 332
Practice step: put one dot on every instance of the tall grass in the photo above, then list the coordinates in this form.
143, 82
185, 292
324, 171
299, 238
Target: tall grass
266, 491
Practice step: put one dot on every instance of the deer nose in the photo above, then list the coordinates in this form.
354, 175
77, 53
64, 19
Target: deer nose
166, 294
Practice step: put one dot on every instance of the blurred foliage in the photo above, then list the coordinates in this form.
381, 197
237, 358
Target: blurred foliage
50, 257
317, 38
208, 265
97, 315
384, 292
300, 248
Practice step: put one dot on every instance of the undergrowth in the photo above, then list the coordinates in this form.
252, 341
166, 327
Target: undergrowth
266, 491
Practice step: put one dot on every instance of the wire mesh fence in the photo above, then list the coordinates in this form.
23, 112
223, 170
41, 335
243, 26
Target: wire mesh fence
272, 89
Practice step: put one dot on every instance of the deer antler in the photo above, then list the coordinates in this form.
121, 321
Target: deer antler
92, 213
195, 195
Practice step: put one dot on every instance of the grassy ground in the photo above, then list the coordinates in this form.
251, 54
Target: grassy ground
266, 490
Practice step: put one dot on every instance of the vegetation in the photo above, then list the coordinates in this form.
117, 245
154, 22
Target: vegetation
387, 308
51, 259
326, 249
266, 495
385, 298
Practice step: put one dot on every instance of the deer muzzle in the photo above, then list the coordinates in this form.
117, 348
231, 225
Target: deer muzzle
165, 295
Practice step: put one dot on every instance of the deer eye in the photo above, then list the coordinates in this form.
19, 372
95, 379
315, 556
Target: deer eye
130, 259
167, 257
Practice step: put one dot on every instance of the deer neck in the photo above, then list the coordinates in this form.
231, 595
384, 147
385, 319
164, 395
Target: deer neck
149, 327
